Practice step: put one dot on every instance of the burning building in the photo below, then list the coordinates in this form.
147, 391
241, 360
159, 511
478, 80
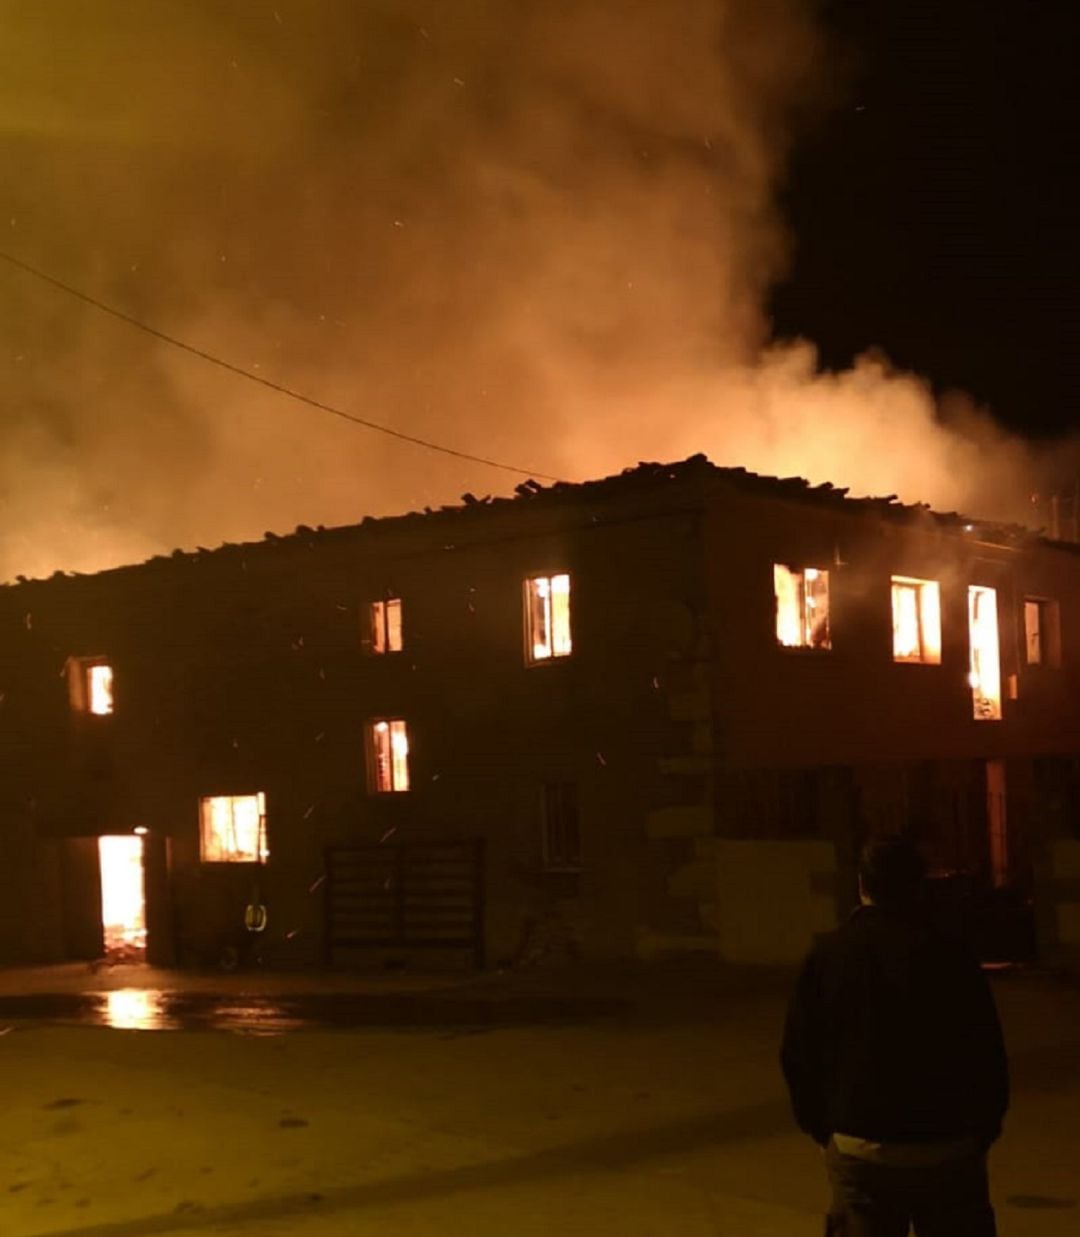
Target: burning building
656, 712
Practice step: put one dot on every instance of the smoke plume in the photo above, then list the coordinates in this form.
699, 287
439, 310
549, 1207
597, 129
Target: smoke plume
542, 232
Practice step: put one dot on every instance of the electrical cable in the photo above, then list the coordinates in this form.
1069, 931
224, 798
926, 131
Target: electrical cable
26, 267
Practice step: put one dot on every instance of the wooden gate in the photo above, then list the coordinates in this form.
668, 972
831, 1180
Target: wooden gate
419, 895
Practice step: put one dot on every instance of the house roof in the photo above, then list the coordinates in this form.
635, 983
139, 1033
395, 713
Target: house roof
695, 473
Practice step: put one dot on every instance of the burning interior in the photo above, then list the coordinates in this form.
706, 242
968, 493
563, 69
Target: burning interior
547, 611
123, 897
233, 829
985, 675
385, 620
802, 607
388, 749
916, 614
90, 685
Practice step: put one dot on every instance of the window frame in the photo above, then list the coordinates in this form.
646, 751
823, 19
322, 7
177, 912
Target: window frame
923, 589
527, 617
798, 574
381, 630
562, 792
80, 689
373, 756
261, 841
1049, 612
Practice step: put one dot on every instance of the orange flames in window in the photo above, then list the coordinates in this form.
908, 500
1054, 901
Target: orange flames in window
390, 755
916, 612
985, 677
547, 600
99, 689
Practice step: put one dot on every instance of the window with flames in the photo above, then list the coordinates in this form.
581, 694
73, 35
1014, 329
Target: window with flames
916, 620
385, 626
388, 756
802, 607
985, 676
547, 618
233, 829
90, 685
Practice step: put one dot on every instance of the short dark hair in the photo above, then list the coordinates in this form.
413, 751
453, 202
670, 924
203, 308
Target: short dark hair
892, 870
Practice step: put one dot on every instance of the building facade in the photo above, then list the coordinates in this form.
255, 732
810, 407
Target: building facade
653, 713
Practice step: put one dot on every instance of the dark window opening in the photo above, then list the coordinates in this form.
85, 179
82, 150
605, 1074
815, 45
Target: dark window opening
561, 836
1042, 632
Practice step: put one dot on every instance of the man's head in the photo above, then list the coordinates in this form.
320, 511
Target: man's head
891, 872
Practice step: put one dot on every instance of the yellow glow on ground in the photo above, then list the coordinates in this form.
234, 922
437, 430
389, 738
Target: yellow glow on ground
133, 1009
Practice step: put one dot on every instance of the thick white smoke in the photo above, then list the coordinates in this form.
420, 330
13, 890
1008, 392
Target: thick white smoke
539, 232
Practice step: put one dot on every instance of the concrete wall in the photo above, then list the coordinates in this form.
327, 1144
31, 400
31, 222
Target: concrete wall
772, 898
31, 897
760, 902
1059, 878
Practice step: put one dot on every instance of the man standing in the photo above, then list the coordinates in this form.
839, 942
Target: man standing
895, 1063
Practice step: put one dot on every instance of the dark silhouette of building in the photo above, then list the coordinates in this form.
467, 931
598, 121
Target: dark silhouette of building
650, 713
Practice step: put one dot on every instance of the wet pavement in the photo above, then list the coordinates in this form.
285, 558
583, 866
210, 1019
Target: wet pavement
143, 998
148, 1009
645, 1124
453, 1105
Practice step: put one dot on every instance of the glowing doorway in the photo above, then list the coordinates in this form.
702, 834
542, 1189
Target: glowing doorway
123, 896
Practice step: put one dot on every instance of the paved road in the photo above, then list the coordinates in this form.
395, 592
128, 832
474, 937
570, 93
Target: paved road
611, 1123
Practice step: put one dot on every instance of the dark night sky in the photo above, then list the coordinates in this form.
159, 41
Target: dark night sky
934, 209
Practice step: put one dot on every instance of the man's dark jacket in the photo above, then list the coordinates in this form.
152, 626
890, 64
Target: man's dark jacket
892, 1035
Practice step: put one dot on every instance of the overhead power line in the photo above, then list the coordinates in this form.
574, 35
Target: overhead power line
221, 363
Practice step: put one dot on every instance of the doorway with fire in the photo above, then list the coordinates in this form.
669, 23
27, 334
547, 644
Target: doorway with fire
123, 897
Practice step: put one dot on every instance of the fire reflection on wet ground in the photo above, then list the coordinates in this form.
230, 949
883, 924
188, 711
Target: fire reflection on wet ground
134, 1009
151, 1009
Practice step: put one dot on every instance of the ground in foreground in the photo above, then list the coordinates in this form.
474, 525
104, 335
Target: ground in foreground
636, 1125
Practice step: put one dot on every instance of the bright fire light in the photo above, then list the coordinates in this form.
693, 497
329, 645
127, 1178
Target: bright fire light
134, 1009
123, 900
547, 609
234, 829
985, 676
916, 612
99, 683
390, 753
802, 607
386, 626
